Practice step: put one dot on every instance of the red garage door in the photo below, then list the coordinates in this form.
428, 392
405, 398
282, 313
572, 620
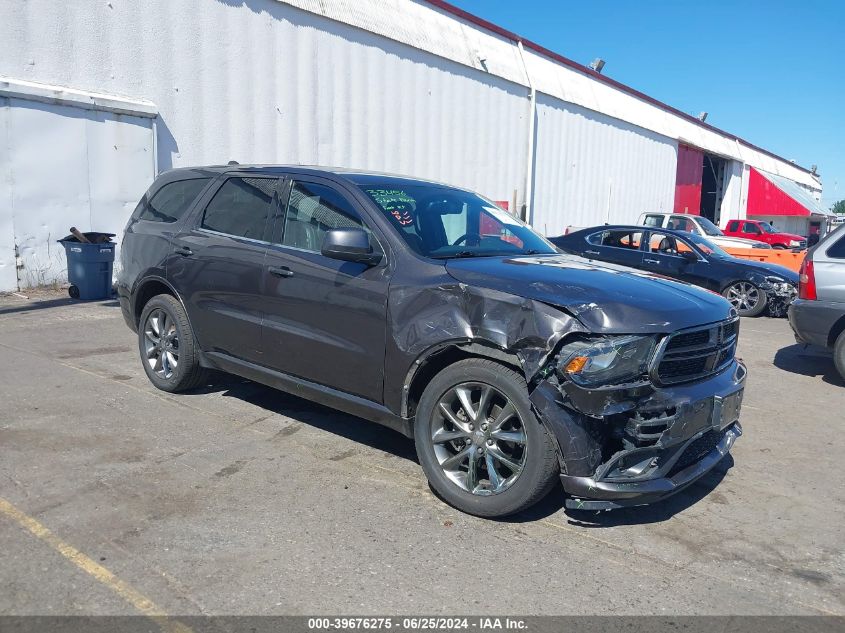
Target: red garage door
688, 180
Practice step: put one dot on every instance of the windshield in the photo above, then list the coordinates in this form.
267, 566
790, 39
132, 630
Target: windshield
709, 228
766, 227
707, 247
440, 222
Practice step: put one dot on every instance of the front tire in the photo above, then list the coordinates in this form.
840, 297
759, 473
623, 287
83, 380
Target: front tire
479, 443
166, 343
748, 299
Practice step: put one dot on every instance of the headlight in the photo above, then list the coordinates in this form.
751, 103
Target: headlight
605, 361
780, 285
794, 243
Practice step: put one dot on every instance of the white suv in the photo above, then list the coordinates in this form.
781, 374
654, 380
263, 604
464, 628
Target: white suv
698, 225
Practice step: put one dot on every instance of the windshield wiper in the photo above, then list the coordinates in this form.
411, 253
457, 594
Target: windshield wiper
467, 254
459, 254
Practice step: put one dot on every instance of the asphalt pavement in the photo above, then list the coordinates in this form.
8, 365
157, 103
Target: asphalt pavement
116, 498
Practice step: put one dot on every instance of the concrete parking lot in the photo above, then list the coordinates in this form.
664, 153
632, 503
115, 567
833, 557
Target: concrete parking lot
116, 498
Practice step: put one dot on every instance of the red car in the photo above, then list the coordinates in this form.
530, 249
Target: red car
764, 232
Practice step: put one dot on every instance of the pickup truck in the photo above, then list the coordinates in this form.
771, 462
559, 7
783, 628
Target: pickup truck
697, 225
764, 232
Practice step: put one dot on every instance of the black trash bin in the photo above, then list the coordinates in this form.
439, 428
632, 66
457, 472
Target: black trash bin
89, 266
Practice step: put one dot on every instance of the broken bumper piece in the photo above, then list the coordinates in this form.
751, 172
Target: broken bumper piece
585, 493
637, 444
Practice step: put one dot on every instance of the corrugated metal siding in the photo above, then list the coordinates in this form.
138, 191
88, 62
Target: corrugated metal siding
424, 26
592, 168
388, 85
8, 271
67, 167
265, 82
733, 200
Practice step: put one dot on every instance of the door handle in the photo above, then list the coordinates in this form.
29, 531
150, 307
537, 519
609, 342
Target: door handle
184, 251
591, 252
651, 261
280, 271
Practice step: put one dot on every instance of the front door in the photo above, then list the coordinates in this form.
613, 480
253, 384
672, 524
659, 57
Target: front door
325, 320
669, 255
217, 265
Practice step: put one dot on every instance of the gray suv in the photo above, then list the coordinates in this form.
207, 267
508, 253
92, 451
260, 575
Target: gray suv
818, 315
430, 310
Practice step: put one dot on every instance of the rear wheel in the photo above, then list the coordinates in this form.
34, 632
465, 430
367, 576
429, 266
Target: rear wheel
839, 355
479, 442
747, 298
166, 342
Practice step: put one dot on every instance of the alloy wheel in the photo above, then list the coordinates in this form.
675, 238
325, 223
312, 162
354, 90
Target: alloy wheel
743, 296
161, 343
479, 438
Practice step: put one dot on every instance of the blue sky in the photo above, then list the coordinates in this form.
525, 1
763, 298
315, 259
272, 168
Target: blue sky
771, 72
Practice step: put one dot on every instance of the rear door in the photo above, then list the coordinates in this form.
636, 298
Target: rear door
829, 268
733, 228
683, 223
325, 320
217, 264
654, 219
620, 246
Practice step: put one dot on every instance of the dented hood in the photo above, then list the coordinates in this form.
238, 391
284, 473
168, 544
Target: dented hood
604, 297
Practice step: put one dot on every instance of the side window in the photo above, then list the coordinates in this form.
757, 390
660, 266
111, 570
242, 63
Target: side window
312, 211
733, 226
663, 244
597, 239
653, 220
618, 239
171, 201
685, 224
837, 249
241, 207
748, 227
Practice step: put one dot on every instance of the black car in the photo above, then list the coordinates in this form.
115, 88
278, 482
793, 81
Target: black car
749, 285
429, 310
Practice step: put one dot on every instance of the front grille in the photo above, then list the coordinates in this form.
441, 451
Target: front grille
693, 354
696, 450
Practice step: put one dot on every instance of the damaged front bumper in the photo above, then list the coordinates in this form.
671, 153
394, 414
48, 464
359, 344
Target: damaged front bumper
588, 493
636, 445
779, 295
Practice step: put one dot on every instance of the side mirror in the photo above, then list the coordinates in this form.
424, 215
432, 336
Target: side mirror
349, 245
689, 256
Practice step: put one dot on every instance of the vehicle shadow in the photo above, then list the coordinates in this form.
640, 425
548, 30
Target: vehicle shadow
32, 306
307, 412
638, 515
808, 361
384, 439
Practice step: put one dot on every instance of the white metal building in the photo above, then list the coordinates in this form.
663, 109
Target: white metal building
97, 96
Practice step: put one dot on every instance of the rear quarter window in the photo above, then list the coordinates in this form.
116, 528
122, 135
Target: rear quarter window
170, 203
837, 249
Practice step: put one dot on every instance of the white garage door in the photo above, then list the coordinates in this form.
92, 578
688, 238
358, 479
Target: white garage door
64, 166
